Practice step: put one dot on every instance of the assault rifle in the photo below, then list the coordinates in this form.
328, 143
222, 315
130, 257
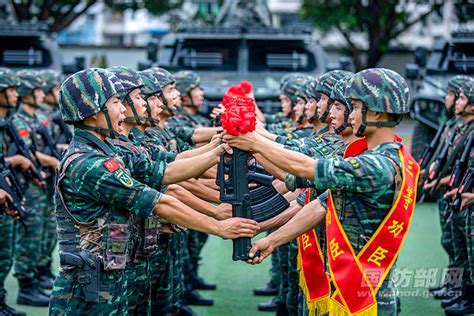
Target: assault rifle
66, 136
233, 178
10, 184
430, 149
460, 169
465, 186
440, 162
28, 151
50, 144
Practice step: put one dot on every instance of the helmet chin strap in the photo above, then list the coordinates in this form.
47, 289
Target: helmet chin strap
166, 107
325, 114
339, 129
107, 132
301, 118
361, 130
464, 112
153, 122
135, 116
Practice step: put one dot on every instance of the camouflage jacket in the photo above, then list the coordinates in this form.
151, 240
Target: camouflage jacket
155, 147
98, 182
275, 118
139, 162
364, 188
168, 139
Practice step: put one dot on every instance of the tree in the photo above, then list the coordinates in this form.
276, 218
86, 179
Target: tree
379, 21
59, 14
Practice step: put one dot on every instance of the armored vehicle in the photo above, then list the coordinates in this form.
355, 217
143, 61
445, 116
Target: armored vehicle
428, 78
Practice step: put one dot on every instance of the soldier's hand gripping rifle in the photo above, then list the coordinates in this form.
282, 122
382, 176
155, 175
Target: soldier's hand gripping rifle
10, 184
28, 151
233, 179
50, 144
440, 163
460, 169
465, 186
429, 151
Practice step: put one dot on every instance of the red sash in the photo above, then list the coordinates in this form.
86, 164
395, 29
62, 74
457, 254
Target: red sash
357, 278
313, 278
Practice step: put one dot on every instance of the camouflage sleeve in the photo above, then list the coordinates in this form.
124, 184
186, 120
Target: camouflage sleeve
362, 174
23, 129
103, 179
144, 169
323, 199
182, 132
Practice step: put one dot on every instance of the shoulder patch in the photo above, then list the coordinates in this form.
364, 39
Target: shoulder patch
23, 132
45, 122
111, 165
354, 163
124, 178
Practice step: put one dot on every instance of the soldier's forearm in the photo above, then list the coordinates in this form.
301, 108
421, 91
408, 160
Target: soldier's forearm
192, 201
183, 169
194, 152
310, 216
290, 161
204, 134
270, 167
178, 213
281, 219
201, 191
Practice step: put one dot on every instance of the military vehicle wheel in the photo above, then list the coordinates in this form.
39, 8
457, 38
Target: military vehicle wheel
422, 135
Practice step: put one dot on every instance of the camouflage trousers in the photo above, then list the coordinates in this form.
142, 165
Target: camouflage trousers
275, 275
67, 297
161, 278
446, 232
470, 242
49, 238
178, 249
459, 233
138, 287
282, 257
196, 241
28, 246
6, 251
293, 279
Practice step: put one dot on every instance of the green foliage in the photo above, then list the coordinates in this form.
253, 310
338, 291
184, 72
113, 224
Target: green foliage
379, 21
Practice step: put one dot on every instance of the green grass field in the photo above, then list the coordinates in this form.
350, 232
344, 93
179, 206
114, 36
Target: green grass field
421, 257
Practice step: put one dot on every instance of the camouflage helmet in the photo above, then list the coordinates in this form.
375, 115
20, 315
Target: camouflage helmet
380, 89
150, 83
29, 81
290, 76
86, 92
51, 78
305, 90
291, 86
163, 76
8, 78
150, 87
337, 94
468, 90
186, 80
328, 80
456, 82
310, 88
129, 78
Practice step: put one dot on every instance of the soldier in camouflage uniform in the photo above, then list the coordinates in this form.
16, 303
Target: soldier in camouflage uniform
367, 182
8, 99
445, 289
464, 108
28, 247
192, 97
95, 197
